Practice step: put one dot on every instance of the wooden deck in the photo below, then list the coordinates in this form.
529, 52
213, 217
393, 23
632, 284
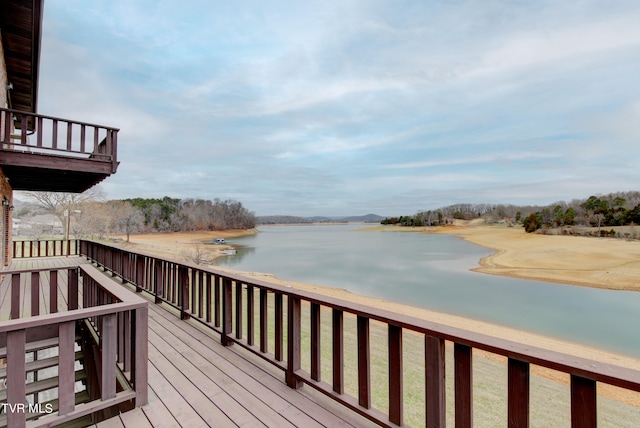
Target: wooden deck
194, 381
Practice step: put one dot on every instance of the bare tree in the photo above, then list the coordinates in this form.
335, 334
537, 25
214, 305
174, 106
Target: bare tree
125, 218
199, 255
62, 204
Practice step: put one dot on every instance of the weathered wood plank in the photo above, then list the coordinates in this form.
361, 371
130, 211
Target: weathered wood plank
295, 406
135, 418
175, 403
157, 412
186, 402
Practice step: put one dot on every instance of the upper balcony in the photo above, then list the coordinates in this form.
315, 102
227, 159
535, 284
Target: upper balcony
43, 153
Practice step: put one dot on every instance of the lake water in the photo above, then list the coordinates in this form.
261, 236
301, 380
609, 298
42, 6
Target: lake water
432, 271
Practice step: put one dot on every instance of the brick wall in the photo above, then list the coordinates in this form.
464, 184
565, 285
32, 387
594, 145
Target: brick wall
6, 194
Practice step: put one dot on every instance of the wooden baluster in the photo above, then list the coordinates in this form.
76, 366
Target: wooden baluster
83, 133
264, 324
250, 315
395, 375
69, 132
39, 130
364, 363
227, 312
294, 331
217, 302
183, 288
16, 372
54, 134
201, 287
109, 344
139, 280
35, 293
15, 296
7, 129
125, 331
463, 385
338, 350
193, 288
583, 403
208, 296
518, 395
238, 310
316, 350
158, 281
24, 129
72, 289
66, 367
279, 324
53, 291
435, 385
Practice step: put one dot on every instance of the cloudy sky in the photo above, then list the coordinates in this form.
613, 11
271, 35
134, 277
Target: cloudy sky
348, 107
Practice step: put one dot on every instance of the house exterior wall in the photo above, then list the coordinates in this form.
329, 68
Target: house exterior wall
6, 192
4, 102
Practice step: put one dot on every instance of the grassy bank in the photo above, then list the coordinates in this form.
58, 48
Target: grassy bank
550, 400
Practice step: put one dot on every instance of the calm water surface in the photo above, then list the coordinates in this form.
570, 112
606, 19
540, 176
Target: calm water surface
432, 271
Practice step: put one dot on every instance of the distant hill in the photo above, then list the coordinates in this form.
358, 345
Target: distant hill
284, 219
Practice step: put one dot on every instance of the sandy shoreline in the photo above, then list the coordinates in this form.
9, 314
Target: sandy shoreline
595, 262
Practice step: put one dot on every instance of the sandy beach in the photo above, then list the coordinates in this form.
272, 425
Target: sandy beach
581, 261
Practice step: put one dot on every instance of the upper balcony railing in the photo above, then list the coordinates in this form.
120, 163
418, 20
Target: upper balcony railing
281, 325
35, 133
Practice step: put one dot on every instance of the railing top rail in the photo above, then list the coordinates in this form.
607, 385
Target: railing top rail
48, 269
116, 291
59, 119
72, 315
127, 301
591, 369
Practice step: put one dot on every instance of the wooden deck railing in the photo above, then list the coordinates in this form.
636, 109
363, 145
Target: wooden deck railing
237, 308
45, 248
117, 318
20, 130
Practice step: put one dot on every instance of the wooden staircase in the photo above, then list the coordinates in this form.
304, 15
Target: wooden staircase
42, 381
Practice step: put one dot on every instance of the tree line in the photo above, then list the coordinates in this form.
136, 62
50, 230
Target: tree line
614, 209
92, 216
